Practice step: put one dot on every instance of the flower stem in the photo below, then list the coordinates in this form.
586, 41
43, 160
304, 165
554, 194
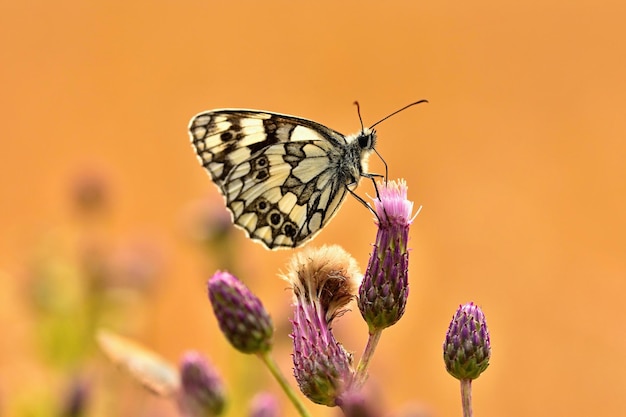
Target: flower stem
273, 367
466, 397
364, 363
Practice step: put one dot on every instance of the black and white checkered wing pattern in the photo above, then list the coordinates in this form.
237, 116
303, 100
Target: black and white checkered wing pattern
283, 177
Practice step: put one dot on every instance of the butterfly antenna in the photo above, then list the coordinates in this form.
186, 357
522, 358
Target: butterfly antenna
358, 111
372, 176
394, 113
382, 120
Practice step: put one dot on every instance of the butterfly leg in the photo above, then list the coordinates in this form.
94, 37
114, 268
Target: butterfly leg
385, 163
362, 201
373, 177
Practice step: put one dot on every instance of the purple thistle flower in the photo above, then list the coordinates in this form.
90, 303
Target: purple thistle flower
202, 391
321, 366
91, 191
264, 405
357, 403
323, 280
75, 402
467, 348
240, 314
385, 288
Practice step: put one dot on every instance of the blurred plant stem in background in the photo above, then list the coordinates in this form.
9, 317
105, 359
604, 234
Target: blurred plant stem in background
78, 281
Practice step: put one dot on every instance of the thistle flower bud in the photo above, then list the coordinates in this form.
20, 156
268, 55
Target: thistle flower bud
207, 223
323, 281
357, 403
240, 314
202, 392
75, 402
385, 287
90, 191
264, 405
467, 348
321, 366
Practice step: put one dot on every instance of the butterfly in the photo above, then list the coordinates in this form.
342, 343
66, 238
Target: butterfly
283, 177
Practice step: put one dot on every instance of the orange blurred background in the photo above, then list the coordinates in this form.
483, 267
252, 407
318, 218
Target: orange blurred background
518, 162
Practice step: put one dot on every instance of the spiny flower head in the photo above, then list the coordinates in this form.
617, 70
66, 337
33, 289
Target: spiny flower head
202, 391
240, 314
385, 288
323, 280
467, 348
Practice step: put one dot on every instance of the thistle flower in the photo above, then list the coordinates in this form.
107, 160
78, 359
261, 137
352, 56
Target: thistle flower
202, 391
327, 276
240, 314
136, 264
207, 223
467, 348
385, 287
356, 403
75, 402
90, 191
323, 281
264, 405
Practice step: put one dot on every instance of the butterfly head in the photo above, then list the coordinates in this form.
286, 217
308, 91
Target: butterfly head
361, 145
366, 139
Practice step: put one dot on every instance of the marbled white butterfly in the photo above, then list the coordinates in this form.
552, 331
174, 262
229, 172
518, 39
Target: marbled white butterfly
283, 177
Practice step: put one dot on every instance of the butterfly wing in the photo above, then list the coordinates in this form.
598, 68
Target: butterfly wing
278, 173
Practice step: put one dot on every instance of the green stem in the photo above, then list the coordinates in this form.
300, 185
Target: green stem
364, 363
282, 381
466, 397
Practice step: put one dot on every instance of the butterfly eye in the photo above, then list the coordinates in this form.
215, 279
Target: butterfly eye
365, 141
